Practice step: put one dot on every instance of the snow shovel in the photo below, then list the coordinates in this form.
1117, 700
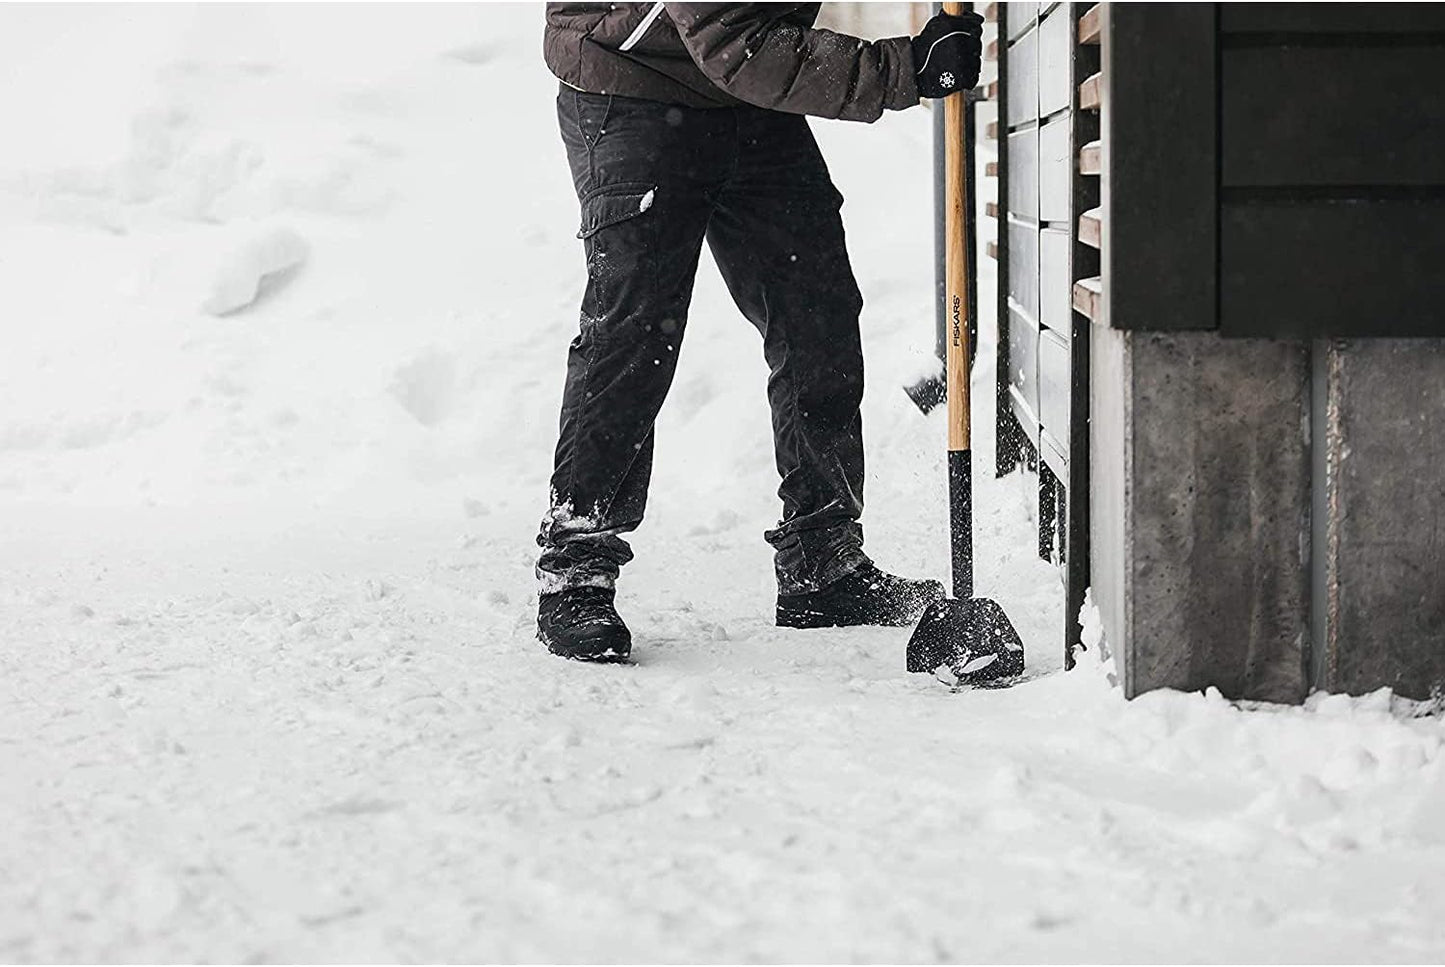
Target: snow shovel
966, 640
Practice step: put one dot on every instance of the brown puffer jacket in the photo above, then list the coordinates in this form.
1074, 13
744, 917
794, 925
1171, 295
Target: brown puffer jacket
723, 54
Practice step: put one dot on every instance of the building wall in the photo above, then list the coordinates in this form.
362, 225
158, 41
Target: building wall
1269, 515
1269, 482
1109, 459
1218, 514
1379, 532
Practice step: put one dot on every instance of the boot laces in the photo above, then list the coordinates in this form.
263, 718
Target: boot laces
592, 609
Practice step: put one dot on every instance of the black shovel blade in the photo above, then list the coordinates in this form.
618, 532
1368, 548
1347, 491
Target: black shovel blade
972, 641
927, 393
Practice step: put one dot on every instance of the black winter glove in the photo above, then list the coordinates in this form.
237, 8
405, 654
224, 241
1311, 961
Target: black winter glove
946, 54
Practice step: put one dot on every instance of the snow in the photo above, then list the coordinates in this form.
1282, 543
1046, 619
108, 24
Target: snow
259, 264
267, 683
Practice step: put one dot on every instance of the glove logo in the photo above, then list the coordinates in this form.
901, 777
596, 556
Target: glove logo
945, 80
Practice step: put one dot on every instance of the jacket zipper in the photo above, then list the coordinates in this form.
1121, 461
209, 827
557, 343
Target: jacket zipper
647, 22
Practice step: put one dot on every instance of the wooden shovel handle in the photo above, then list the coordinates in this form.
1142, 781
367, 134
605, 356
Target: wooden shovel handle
955, 201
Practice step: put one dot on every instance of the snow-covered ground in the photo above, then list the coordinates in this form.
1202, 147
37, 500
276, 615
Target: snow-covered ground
267, 684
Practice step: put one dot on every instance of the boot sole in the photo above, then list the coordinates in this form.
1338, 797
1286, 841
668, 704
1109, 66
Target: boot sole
606, 655
799, 618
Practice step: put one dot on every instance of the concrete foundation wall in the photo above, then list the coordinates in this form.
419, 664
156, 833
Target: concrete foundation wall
1108, 483
1268, 515
1380, 528
1220, 515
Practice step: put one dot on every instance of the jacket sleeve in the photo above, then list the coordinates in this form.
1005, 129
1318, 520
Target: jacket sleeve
750, 52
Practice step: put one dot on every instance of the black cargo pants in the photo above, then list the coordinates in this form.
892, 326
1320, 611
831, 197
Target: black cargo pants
654, 180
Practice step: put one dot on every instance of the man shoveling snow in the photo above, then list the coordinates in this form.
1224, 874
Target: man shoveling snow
684, 122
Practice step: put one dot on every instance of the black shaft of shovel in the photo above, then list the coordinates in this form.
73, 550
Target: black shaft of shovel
960, 521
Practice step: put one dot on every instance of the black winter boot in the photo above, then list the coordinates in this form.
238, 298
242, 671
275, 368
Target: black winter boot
582, 624
868, 596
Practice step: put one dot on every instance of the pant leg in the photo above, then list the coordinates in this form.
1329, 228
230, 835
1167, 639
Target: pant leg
645, 207
777, 237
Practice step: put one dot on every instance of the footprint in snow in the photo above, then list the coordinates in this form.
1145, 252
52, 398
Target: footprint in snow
426, 387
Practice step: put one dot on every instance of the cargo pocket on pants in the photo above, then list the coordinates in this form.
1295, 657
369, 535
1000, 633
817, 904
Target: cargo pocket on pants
620, 253
608, 206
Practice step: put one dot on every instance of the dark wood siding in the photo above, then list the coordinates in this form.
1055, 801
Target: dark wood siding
1162, 166
1346, 267
1369, 116
1332, 169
